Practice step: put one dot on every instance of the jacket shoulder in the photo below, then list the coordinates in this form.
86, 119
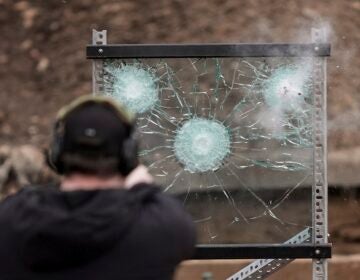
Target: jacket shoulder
168, 225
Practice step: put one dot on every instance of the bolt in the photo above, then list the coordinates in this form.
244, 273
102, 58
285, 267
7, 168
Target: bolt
316, 48
317, 252
100, 50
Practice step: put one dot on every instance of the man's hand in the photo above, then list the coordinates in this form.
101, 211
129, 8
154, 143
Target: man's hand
139, 175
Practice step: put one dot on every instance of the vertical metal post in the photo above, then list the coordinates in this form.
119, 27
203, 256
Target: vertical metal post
98, 38
320, 187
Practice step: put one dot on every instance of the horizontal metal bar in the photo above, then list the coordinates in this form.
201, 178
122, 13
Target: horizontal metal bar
206, 50
263, 251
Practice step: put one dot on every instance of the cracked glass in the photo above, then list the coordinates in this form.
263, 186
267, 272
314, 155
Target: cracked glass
230, 137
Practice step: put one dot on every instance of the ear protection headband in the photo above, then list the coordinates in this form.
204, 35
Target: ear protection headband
127, 156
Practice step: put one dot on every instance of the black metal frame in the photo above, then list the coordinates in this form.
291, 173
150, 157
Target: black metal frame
263, 251
205, 50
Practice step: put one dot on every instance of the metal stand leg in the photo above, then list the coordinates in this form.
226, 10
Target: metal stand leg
261, 269
320, 195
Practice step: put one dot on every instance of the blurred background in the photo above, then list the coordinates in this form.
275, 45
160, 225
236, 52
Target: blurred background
43, 67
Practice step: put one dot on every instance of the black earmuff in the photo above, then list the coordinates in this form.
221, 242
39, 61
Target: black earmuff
56, 148
128, 158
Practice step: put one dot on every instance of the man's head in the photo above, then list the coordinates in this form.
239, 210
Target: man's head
93, 135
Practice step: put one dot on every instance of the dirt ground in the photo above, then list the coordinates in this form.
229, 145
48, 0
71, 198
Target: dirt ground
43, 64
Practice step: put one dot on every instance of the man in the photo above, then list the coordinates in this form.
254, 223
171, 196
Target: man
106, 220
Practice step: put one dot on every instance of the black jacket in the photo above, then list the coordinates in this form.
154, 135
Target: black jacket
104, 234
